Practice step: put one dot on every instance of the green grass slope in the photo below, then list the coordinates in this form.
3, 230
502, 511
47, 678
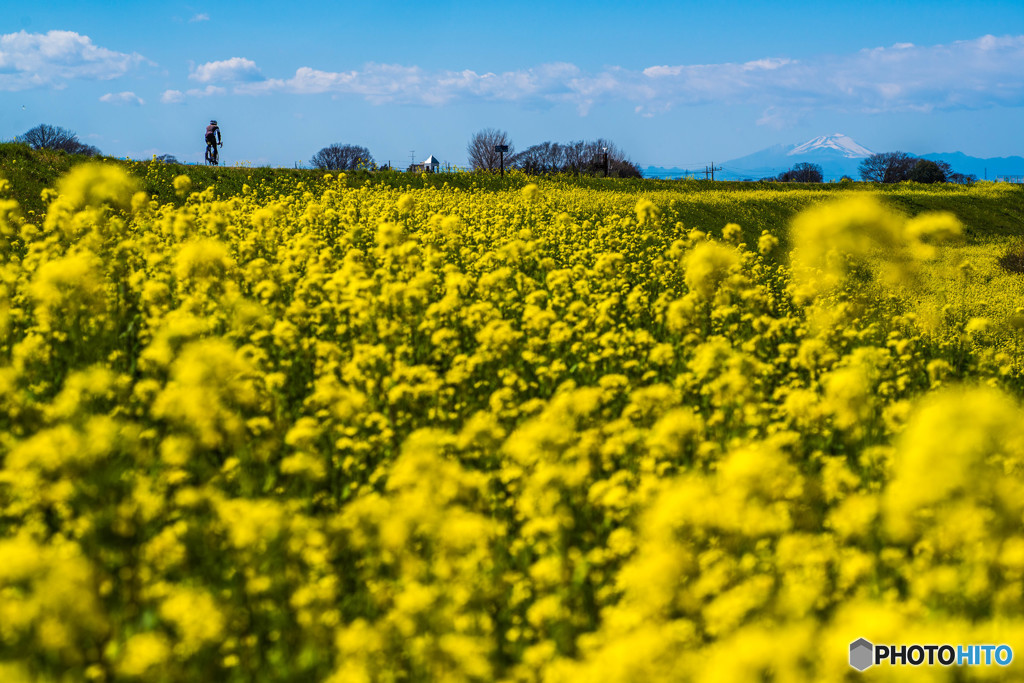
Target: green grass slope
707, 205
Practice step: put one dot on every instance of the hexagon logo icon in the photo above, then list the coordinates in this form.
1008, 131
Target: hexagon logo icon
861, 654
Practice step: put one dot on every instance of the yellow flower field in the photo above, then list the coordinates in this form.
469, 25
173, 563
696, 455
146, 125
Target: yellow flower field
322, 432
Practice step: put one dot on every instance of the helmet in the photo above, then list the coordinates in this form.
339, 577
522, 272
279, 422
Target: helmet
213, 123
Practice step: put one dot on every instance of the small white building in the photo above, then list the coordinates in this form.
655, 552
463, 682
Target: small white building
429, 165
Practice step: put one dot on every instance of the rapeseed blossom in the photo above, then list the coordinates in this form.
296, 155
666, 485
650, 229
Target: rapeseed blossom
327, 428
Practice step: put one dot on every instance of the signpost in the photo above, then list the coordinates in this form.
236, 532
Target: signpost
501, 149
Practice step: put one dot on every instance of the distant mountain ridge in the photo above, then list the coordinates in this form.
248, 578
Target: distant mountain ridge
989, 169
838, 155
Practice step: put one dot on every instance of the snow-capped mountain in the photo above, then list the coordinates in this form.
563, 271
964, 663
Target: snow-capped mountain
837, 154
844, 144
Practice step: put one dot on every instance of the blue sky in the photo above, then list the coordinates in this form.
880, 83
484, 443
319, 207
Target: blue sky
672, 83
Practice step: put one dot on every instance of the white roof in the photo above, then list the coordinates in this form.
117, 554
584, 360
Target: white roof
431, 161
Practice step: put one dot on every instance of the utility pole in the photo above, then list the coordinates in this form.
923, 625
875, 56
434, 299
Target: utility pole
412, 158
710, 170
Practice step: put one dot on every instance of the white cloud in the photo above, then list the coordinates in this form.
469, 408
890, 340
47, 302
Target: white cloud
126, 97
662, 71
177, 96
236, 69
172, 97
202, 16
385, 83
977, 73
206, 92
781, 117
767, 64
35, 60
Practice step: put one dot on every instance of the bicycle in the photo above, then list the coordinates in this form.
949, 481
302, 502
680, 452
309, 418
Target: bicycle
212, 155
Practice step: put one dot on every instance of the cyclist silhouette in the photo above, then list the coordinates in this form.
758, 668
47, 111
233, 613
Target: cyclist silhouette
213, 138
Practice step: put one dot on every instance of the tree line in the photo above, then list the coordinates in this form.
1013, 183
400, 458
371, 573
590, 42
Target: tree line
885, 167
602, 157
598, 157
895, 167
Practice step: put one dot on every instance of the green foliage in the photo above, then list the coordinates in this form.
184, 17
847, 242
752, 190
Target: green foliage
927, 172
30, 171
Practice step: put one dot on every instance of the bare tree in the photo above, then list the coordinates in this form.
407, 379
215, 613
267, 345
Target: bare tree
591, 157
580, 157
576, 157
623, 168
338, 157
84, 149
594, 152
547, 157
802, 173
887, 167
481, 153
45, 136
584, 156
606, 158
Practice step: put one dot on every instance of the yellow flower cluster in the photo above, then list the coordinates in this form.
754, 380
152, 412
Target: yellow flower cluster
314, 431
